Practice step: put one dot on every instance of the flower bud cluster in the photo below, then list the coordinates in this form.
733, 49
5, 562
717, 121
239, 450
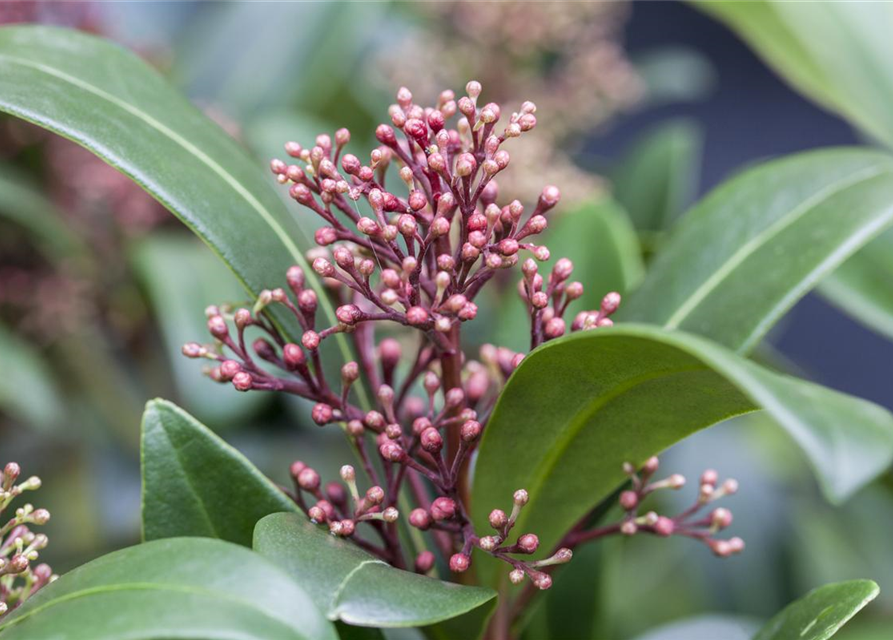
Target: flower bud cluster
19, 546
410, 238
690, 523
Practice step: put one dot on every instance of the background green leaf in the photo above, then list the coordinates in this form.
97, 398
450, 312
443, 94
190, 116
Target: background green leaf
656, 179
30, 393
820, 613
837, 53
580, 406
111, 102
759, 242
194, 484
862, 287
162, 261
350, 585
176, 588
705, 626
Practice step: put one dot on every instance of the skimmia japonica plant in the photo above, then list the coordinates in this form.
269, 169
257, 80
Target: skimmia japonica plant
419, 261
479, 469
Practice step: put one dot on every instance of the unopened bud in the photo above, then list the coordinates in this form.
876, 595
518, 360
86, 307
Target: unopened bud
459, 562
443, 508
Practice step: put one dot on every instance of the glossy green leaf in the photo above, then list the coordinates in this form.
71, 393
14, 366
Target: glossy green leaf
820, 613
712, 626
30, 395
759, 242
352, 586
837, 53
580, 406
195, 484
600, 240
160, 261
658, 176
862, 287
112, 103
175, 588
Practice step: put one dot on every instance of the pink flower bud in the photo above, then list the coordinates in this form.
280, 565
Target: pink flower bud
465, 165
321, 413
193, 350
508, 247
431, 440
424, 562
528, 543
710, 476
520, 497
278, 167
459, 562
443, 508
323, 267
217, 327
385, 135
664, 526
629, 500
610, 303
308, 479
416, 316
420, 519
392, 452
498, 519
417, 200
375, 495
351, 164
348, 313
721, 518
471, 431
243, 381
293, 149
374, 420
310, 340
554, 328
317, 515
308, 301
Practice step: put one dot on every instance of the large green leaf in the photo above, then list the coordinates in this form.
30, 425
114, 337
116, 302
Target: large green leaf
755, 245
194, 484
862, 287
580, 406
29, 394
350, 585
178, 304
109, 101
657, 177
175, 588
820, 613
837, 53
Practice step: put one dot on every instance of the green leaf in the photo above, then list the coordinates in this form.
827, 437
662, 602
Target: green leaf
759, 242
584, 404
175, 588
657, 177
22, 203
599, 239
30, 395
820, 613
836, 53
112, 103
178, 303
862, 287
194, 484
720, 627
352, 586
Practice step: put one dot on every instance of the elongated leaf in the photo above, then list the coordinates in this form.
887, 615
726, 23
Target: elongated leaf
194, 484
30, 394
862, 287
837, 53
578, 407
657, 178
820, 613
755, 245
706, 626
179, 304
109, 101
352, 586
177, 588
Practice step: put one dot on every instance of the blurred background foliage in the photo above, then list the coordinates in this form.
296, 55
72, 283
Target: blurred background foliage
641, 109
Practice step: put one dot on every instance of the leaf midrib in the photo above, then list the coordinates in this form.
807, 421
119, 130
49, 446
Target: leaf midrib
228, 178
142, 586
758, 241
